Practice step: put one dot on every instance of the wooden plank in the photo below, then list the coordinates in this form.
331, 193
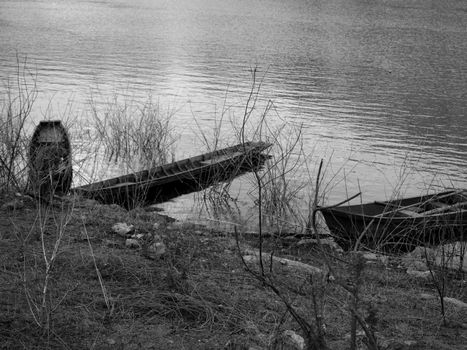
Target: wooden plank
456, 206
411, 213
122, 184
439, 204
419, 205
221, 158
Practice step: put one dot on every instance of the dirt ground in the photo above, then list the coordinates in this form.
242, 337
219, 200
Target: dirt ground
98, 293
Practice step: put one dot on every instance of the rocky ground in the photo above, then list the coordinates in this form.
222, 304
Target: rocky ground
78, 275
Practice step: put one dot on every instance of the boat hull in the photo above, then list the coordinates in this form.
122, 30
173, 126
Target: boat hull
50, 161
380, 226
166, 182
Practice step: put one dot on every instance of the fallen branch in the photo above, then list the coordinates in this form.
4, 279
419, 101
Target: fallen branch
252, 256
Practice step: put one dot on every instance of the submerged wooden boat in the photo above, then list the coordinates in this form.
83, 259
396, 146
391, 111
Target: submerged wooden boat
400, 224
168, 181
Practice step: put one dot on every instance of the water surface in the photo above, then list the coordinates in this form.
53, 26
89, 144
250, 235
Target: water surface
380, 87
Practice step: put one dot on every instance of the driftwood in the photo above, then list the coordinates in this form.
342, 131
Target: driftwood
252, 256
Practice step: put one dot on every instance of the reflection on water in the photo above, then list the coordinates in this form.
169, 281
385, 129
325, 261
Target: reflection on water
377, 85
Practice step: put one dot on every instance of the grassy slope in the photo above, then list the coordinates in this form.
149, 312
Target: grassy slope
198, 296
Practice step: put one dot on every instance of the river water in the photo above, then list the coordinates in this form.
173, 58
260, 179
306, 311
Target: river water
380, 87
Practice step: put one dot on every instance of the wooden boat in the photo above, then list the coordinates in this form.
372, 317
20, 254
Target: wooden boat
50, 167
402, 224
168, 181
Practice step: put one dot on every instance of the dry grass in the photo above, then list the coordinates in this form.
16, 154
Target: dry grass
17, 97
137, 135
197, 296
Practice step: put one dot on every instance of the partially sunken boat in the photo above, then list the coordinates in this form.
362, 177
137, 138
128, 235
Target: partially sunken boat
168, 181
402, 224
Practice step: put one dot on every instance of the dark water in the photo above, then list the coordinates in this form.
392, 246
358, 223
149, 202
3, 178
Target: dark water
379, 86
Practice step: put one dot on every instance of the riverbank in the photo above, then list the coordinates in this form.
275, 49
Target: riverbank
69, 280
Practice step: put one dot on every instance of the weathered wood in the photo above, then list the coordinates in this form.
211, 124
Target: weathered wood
252, 256
50, 163
168, 181
402, 224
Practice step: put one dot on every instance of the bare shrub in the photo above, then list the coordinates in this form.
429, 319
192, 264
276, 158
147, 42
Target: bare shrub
16, 102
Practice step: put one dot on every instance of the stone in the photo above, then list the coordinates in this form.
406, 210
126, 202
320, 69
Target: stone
122, 229
111, 341
132, 243
455, 302
384, 259
416, 259
156, 250
452, 256
444, 256
425, 296
325, 242
419, 274
289, 340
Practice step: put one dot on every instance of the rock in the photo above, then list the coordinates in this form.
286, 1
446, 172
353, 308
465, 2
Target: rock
409, 342
110, 341
122, 229
419, 274
455, 302
426, 296
289, 340
444, 256
132, 243
325, 242
452, 256
417, 259
448, 300
156, 250
372, 257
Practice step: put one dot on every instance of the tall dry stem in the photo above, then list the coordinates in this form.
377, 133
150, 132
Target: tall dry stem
16, 101
137, 135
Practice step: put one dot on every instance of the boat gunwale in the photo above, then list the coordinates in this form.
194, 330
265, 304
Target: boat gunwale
358, 210
394, 217
152, 177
